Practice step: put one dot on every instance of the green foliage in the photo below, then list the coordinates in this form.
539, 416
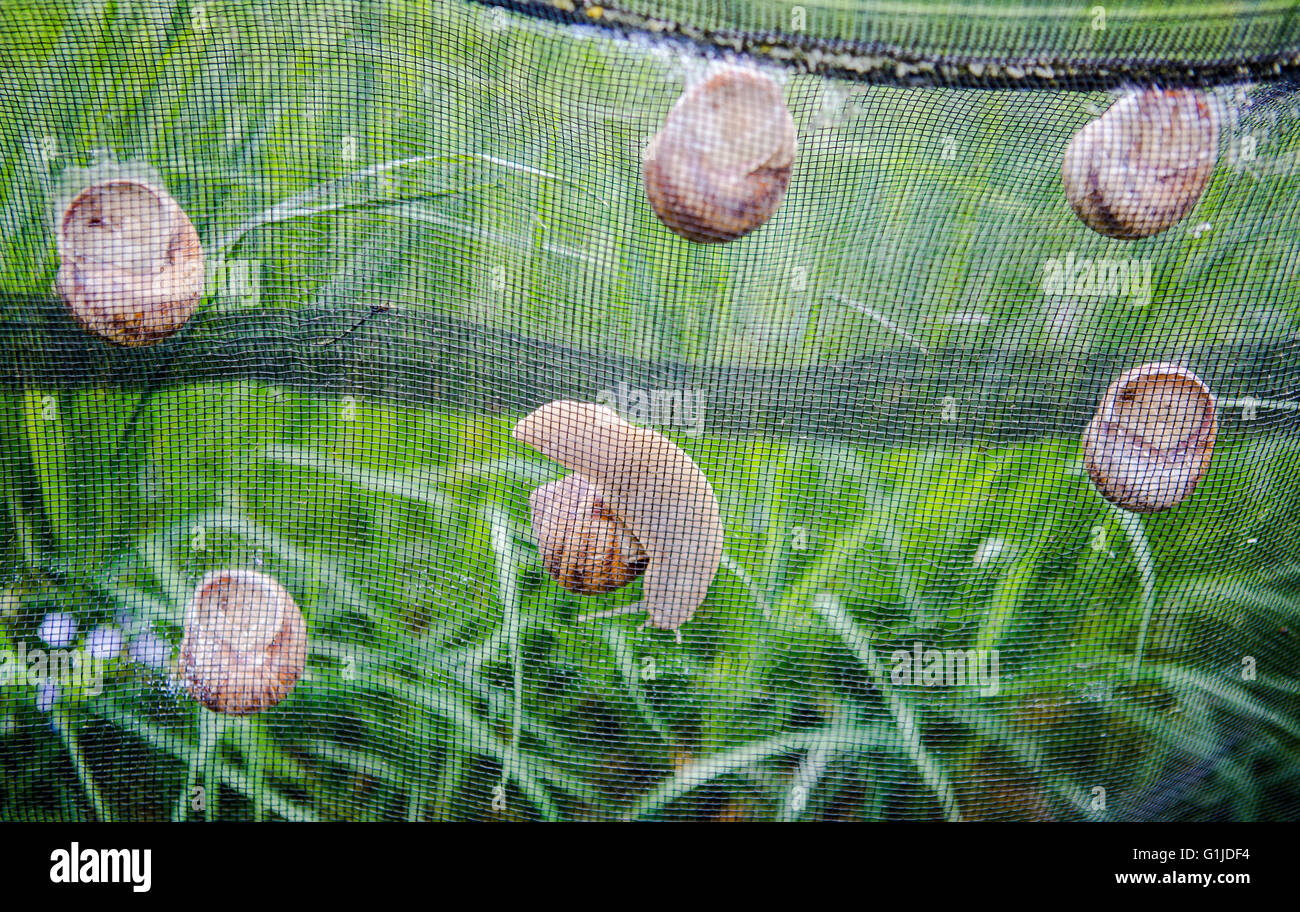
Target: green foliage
370, 156
444, 665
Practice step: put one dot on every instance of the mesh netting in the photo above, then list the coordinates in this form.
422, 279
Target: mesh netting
680, 409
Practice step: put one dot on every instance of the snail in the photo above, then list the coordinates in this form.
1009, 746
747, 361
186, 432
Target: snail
245, 643
1152, 437
721, 164
1142, 166
651, 486
130, 261
584, 546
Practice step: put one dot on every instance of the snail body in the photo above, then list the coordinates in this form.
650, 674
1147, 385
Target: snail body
584, 546
1152, 438
130, 261
720, 166
653, 487
1139, 168
245, 643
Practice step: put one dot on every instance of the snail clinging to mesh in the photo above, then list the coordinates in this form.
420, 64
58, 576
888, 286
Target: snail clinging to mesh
636, 502
245, 642
1140, 167
721, 164
130, 261
1152, 437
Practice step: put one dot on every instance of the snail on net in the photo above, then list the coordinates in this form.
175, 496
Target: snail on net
245, 643
721, 164
1140, 167
1152, 438
636, 503
130, 261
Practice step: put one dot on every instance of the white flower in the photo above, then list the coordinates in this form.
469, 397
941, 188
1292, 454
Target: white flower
150, 649
46, 696
989, 550
58, 629
104, 642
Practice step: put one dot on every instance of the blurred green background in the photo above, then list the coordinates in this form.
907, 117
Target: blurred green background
445, 161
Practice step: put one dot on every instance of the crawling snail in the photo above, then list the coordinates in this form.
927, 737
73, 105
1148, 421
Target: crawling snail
1152, 438
1142, 166
630, 481
130, 261
245, 643
721, 164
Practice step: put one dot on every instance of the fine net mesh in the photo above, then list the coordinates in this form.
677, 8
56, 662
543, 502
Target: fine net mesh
910, 390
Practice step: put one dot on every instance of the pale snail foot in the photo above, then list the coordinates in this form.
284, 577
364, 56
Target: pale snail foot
677, 633
625, 609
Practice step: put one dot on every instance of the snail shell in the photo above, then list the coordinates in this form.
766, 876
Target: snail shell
245, 642
721, 164
1152, 437
131, 264
585, 547
1141, 167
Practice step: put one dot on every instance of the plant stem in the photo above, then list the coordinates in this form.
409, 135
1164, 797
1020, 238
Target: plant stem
1141, 548
735, 569
507, 561
904, 716
64, 725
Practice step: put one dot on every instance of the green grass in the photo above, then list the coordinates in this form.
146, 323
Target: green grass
419, 157
444, 665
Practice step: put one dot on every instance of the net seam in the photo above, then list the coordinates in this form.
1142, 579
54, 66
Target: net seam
884, 64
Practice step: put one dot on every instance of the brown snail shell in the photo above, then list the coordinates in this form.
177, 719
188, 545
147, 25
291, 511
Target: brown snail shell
1142, 166
131, 263
1152, 438
584, 546
245, 643
721, 164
